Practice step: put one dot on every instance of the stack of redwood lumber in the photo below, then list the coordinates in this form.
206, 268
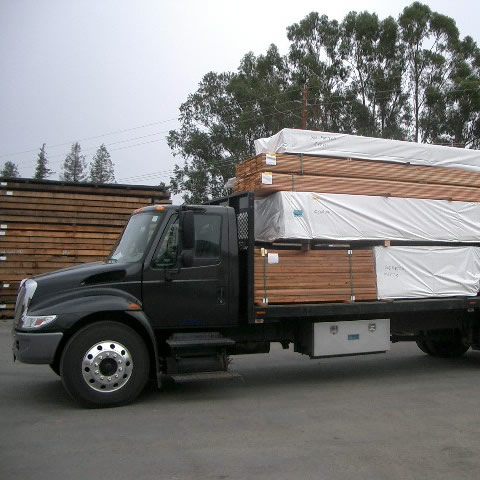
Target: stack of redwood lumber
313, 276
48, 225
329, 163
313, 173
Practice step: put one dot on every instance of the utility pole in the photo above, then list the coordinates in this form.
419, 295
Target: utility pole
304, 105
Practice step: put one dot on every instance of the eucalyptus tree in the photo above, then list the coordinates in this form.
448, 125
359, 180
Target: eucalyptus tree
374, 57
431, 45
316, 59
221, 120
454, 114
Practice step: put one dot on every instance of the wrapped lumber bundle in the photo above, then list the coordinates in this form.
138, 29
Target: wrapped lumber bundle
369, 190
48, 225
383, 273
318, 216
424, 271
341, 145
314, 276
298, 160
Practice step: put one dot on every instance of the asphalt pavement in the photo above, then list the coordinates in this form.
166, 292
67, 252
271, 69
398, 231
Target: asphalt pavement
400, 415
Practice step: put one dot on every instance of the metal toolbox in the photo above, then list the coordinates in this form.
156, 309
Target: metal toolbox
350, 338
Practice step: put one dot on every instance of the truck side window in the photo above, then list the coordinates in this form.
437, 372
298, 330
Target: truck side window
208, 229
166, 254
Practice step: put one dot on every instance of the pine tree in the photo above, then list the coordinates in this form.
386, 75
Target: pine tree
42, 171
101, 168
74, 166
10, 170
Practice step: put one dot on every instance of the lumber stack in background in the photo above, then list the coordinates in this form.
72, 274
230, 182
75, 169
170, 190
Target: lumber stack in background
47, 225
294, 172
314, 276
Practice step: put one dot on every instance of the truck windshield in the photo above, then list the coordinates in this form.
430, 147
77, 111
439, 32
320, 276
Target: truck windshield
132, 244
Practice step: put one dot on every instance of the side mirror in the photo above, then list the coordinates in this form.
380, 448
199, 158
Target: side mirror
186, 258
187, 229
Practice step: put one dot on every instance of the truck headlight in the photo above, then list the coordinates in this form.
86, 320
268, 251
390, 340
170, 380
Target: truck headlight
36, 321
24, 297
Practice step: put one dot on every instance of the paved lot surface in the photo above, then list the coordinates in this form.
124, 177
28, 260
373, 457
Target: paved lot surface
402, 415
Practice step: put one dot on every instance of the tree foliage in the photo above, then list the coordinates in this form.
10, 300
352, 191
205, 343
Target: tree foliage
9, 170
220, 121
101, 168
411, 78
316, 60
431, 46
42, 171
74, 166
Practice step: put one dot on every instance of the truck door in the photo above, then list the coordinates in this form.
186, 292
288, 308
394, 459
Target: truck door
196, 296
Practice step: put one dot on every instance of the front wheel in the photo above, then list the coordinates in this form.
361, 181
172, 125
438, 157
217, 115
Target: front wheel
105, 364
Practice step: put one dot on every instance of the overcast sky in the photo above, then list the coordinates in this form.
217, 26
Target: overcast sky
77, 69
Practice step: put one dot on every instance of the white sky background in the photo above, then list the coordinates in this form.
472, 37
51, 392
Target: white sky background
76, 69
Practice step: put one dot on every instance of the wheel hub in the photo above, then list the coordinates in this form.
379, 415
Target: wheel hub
107, 366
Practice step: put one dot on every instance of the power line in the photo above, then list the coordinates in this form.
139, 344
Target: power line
93, 138
116, 132
127, 130
108, 144
238, 104
165, 173
32, 163
322, 103
150, 135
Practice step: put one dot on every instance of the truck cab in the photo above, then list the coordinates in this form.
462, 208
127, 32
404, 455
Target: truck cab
173, 269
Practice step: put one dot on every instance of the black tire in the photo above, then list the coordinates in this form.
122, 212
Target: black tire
55, 368
443, 347
423, 346
91, 374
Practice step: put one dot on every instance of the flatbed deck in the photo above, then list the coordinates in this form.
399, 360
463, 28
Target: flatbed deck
270, 313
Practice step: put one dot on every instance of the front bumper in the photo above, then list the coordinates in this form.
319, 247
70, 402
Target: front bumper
35, 347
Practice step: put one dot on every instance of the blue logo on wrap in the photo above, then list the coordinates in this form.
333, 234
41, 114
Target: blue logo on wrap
298, 213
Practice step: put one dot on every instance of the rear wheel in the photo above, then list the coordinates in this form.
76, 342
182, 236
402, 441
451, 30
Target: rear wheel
422, 345
105, 364
443, 346
55, 368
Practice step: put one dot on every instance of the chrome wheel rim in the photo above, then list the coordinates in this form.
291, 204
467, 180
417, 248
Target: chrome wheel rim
107, 366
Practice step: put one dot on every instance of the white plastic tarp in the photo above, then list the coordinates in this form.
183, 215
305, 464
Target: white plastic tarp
419, 272
308, 215
341, 145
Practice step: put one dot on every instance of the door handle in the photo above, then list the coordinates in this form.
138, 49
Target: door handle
170, 275
220, 296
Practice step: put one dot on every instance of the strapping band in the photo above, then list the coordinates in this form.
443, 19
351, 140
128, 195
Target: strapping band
352, 286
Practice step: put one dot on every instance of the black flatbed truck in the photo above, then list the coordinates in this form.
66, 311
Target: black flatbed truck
175, 298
